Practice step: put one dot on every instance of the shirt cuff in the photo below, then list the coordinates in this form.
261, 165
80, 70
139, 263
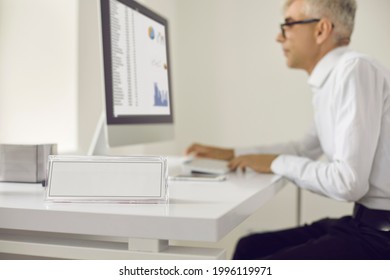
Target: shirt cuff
278, 165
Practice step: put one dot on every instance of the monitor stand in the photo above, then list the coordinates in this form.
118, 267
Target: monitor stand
99, 145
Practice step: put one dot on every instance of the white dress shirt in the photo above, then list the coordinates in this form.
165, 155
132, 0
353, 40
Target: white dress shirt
351, 101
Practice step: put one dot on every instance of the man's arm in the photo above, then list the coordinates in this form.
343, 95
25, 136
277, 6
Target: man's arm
309, 147
260, 158
259, 163
203, 151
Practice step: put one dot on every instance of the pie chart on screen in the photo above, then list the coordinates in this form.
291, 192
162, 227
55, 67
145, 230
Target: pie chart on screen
151, 33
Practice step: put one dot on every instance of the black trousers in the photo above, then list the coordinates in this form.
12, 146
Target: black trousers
327, 239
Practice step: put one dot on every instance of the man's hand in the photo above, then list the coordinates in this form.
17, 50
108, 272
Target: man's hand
200, 150
259, 163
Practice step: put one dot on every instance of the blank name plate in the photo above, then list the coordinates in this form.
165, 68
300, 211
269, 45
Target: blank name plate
107, 179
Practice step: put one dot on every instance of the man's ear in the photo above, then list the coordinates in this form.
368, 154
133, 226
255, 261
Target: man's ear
323, 30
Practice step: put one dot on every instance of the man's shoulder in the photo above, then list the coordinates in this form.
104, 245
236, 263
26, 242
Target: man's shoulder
351, 55
353, 61
351, 58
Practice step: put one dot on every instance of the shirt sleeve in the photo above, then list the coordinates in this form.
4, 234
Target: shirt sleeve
309, 146
357, 102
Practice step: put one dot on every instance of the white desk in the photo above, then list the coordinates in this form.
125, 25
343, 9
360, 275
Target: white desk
196, 212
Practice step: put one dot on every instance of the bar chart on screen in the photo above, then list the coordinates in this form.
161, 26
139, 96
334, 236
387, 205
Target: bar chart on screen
160, 96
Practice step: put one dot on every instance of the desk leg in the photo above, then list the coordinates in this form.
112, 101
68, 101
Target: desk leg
160, 249
148, 245
71, 246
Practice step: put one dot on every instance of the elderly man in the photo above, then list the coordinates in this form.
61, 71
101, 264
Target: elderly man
351, 100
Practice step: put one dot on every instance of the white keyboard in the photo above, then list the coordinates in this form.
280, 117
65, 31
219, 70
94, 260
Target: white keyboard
203, 165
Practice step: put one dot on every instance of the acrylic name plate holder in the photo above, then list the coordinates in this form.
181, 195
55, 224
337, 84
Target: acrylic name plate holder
107, 179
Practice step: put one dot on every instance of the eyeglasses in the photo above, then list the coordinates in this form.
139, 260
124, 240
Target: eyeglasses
291, 23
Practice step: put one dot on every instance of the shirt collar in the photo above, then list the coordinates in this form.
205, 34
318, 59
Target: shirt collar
325, 66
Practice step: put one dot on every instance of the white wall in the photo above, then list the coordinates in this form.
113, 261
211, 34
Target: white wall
231, 85
38, 72
233, 70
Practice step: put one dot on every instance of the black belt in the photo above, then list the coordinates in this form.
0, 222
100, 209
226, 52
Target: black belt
377, 219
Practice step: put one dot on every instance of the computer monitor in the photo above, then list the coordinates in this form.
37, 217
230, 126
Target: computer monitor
137, 84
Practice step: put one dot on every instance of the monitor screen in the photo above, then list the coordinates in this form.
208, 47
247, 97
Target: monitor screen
136, 72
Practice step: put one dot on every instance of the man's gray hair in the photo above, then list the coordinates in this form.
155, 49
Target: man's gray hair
340, 12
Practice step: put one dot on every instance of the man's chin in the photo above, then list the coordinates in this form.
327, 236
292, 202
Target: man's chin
291, 64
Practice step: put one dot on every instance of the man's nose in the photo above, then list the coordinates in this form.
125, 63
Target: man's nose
280, 38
